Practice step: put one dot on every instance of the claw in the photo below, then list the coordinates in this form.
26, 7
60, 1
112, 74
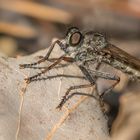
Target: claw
59, 107
61, 103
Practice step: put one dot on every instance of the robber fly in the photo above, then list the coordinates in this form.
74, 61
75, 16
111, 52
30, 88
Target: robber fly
83, 48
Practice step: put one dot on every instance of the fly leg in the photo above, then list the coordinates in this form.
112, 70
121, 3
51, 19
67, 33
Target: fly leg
68, 95
58, 61
42, 59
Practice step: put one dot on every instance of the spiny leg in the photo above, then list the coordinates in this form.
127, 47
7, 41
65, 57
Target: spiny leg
79, 93
66, 96
97, 74
117, 80
22, 66
92, 77
104, 75
92, 80
89, 76
73, 94
57, 67
67, 59
57, 76
107, 76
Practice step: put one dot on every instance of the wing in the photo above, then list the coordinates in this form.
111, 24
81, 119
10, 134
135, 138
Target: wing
122, 56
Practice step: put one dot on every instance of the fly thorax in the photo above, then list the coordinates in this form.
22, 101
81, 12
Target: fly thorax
95, 40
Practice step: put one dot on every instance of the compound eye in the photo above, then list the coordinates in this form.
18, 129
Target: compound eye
75, 38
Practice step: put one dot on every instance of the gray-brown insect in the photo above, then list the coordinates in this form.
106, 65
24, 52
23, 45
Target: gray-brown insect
82, 48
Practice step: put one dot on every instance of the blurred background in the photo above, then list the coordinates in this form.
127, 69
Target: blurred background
27, 26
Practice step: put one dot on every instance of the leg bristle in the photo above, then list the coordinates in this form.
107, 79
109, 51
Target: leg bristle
23, 66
